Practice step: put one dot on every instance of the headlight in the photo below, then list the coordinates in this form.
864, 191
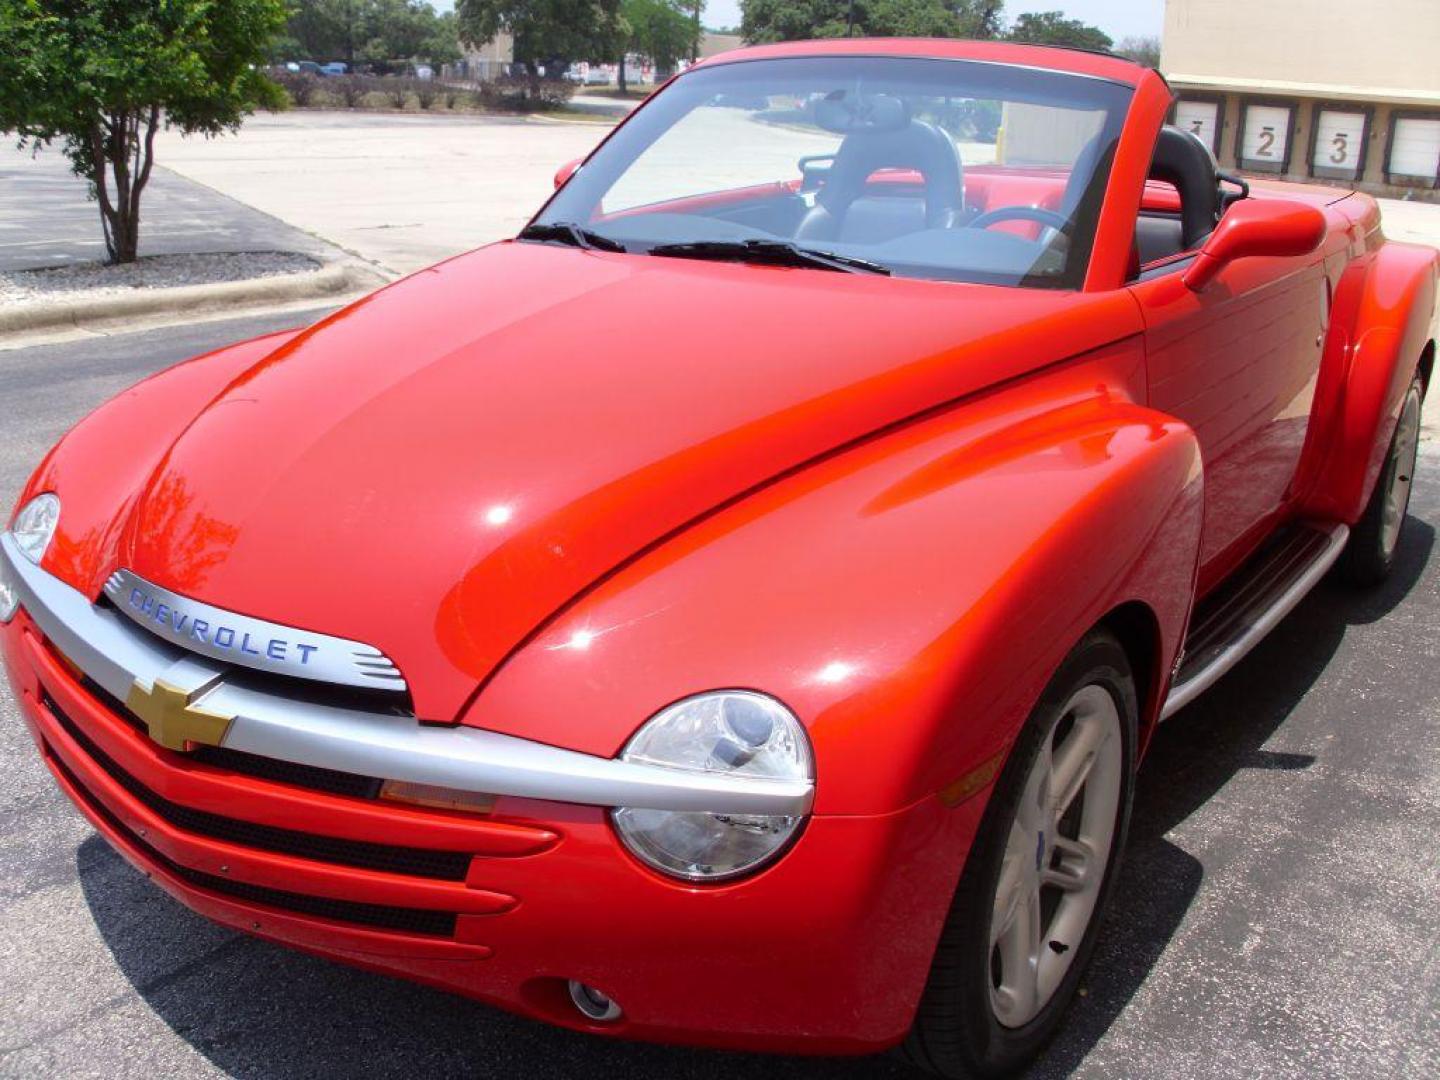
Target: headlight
9, 598
34, 526
727, 731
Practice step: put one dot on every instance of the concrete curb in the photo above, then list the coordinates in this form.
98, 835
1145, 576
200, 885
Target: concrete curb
46, 316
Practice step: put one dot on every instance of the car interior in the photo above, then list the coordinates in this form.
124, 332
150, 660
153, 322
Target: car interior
896, 190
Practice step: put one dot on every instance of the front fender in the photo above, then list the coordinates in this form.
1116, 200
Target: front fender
1390, 305
105, 459
909, 597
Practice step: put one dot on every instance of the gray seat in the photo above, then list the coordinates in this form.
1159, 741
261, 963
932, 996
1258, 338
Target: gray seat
918, 146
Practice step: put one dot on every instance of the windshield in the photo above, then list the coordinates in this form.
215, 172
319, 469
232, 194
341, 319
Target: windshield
946, 169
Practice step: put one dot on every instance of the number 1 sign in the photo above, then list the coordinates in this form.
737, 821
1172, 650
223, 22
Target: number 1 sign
1200, 118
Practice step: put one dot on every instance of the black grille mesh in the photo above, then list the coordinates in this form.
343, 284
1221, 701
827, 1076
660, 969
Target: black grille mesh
416, 862
287, 772
330, 781
383, 916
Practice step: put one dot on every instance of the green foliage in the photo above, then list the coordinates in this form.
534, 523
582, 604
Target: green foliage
101, 76
797, 20
553, 33
1143, 50
661, 30
1053, 28
511, 94
369, 31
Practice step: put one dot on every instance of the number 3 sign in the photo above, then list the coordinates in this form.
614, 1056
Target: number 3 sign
1339, 147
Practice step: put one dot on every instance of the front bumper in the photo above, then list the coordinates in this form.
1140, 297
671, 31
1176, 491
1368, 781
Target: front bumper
825, 951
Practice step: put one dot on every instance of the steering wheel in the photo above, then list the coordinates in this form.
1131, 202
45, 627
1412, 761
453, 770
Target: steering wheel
1058, 222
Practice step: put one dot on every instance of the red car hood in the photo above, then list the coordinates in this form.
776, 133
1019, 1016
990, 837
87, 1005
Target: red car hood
440, 467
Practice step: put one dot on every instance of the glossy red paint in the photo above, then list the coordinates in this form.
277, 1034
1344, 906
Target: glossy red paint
894, 504
1253, 228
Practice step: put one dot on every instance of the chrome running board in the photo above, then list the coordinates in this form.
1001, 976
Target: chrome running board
1229, 623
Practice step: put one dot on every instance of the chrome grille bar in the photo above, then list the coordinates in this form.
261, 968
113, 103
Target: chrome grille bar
118, 655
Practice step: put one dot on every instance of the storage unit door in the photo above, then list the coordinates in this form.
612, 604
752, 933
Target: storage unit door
1202, 118
1415, 149
1339, 144
1265, 143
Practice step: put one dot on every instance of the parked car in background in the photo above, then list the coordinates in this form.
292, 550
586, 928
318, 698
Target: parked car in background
781, 687
335, 67
304, 67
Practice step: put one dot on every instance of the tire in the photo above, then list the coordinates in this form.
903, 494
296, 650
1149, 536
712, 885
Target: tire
1370, 553
958, 1029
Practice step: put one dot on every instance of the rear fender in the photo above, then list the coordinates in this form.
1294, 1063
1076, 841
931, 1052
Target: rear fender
1384, 308
909, 598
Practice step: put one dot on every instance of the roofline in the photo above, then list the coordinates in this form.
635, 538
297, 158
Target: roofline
1236, 84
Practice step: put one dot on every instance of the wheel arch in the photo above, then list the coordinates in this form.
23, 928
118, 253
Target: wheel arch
1384, 308
1137, 627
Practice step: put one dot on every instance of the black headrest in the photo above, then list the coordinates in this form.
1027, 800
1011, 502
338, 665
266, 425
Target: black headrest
1183, 160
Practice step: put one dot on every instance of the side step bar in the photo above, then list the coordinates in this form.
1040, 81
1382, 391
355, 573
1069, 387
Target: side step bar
1229, 623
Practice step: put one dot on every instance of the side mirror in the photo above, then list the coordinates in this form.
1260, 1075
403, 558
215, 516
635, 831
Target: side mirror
566, 171
1258, 226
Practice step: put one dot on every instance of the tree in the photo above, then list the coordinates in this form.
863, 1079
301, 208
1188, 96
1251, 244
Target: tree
662, 31
548, 33
1143, 50
795, 20
370, 30
101, 76
1053, 28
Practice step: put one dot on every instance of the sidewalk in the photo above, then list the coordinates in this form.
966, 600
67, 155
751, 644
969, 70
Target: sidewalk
48, 220
203, 255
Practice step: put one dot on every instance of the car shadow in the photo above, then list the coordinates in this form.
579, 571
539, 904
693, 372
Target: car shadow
256, 1010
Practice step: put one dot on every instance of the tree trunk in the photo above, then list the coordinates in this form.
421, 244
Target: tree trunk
620, 78
122, 146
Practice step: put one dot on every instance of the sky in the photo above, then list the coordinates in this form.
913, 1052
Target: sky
1118, 18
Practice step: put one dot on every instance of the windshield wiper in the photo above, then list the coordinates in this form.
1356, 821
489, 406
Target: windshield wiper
567, 232
771, 253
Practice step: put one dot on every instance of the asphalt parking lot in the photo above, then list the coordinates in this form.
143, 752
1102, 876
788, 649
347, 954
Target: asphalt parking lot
1276, 917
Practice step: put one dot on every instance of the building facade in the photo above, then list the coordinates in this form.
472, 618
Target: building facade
494, 58
1324, 90
482, 63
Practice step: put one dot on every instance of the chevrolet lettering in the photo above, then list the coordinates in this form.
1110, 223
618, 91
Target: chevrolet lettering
778, 683
179, 625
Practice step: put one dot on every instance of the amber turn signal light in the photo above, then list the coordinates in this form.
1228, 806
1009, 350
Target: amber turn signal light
440, 798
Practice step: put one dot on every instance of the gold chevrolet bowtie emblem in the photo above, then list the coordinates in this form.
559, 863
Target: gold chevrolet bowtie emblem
172, 720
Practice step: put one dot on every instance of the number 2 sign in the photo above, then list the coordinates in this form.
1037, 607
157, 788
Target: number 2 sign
1265, 139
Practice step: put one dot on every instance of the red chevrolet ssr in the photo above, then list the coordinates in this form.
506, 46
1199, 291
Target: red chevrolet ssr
733, 610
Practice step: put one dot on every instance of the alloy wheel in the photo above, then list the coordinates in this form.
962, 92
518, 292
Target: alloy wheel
1401, 471
1056, 855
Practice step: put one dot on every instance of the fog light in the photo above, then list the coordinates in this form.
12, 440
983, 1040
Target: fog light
592, 1003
